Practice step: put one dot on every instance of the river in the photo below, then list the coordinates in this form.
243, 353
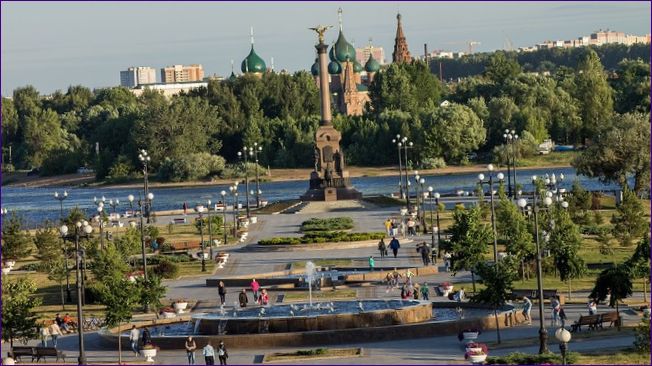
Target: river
36, 205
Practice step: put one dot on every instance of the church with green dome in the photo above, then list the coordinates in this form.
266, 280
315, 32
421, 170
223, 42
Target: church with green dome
349, 91
253, 64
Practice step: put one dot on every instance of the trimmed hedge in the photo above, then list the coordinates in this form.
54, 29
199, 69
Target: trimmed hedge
518, 358
325, 237
330, 224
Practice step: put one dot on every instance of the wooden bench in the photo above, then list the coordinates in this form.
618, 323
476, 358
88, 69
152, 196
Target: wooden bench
534, 294
17, 352
185, 245
180, 220
42, 352
611, 317
591, 321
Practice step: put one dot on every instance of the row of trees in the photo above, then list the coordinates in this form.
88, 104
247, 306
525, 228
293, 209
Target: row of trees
205, 128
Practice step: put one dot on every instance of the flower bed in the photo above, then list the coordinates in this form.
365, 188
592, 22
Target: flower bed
326, 237
330, 224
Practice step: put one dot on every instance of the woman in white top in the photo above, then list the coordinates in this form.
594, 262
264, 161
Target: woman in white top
55, 332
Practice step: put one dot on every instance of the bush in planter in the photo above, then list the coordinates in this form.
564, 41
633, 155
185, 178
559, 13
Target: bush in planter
167, 269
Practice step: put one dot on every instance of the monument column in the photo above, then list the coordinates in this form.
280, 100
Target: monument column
326, 117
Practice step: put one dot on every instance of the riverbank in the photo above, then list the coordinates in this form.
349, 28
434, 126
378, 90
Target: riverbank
273, 175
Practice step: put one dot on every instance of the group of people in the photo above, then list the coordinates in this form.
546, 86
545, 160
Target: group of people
208, 352
394, 228
138, 340
59, 327
260, 296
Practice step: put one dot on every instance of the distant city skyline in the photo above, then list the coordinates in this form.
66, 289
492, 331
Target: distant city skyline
52, 45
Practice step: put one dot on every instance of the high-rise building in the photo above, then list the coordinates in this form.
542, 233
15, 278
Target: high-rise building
182, 74
401, 53
362, 54
134, 76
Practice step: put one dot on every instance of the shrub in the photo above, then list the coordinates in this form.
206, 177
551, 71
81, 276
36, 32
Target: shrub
330, 224
216, 224
518, 358
191, 167
121, 170
591, 229
323, 237
39, 267
433, 163
8, 168
167, 269
61, 161
642, 340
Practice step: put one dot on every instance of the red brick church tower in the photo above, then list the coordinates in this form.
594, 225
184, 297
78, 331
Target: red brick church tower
401, 53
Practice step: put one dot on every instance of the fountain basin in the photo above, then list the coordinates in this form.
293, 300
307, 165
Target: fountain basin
296, 318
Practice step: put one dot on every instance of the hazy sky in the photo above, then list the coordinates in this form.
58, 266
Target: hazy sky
54, 45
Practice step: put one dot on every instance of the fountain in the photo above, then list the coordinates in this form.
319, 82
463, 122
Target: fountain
310, 275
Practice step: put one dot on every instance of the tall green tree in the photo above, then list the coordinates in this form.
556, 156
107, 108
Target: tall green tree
452, 132
57, 271
564, 244
615, 282
120, 297
48, 243
498, 279
18, 303
639, 263
16, 242
594, 94
501, 67
629, 221
619, 151
469, 240
151, 291
513, 226
632, 86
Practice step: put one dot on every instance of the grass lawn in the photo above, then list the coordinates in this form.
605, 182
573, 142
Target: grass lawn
320, 295
628, 356
276, 207
312, 354
554, 158
194, 268
383, 201
324, 262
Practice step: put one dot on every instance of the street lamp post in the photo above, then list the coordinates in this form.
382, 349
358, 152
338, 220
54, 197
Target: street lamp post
114, 204
200, 210
490, 182
243, 155
144, 204
100, 210
210, 231
256, 150
86, 230
510, 139
407, 145
424, 195
563, 336
234, 193
398, 143
61, 198
145, 159
223, 194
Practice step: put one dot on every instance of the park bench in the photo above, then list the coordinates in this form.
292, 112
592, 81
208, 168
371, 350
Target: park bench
534, 294
185, 245
17, 352
591, 321
611, 317
42, 352
178, 220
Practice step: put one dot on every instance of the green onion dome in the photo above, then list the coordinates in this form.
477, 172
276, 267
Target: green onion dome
232, 77
357, 67
334, 67
253, 63
315, 68
343, 49
372, 65
331, 53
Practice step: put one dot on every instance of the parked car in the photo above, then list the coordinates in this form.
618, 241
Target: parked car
85, 170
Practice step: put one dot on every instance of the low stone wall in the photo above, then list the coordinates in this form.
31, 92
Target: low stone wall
326, 246
507, 318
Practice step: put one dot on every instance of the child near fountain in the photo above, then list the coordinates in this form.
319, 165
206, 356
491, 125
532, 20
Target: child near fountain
263, 299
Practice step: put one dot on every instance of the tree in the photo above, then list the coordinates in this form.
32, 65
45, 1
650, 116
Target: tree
632, 86
18, 303
501, 68
619, 150
119, 295
48, 243
579, 203
109, 263
564, 244
594, 94
469, 240
452, 132
16, 243
513, 226
615, 281
498, 279
639, 263
629, 220
392, 89
58, 272
151, 291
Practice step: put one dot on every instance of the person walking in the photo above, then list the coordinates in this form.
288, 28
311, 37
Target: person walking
134, 336
447, 261
382, 248
263, 299
185, 208
55, 332
209, 354
411, 224
562, 316
425, 291
146, 337
394, 245
417, 291
242, 297
556, 306
372, 263
255, 287
221, 290
191, 346
425, 253
388, 226
593, 307
45, 332
222, 354
527, 308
